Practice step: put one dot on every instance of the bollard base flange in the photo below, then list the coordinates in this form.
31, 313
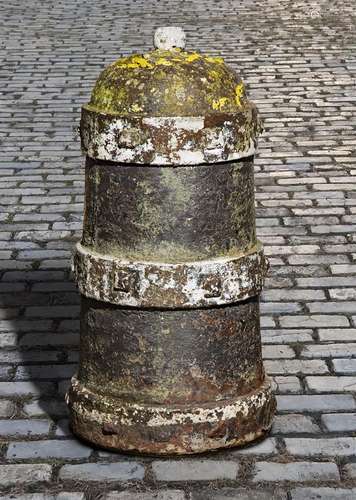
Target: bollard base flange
170, 430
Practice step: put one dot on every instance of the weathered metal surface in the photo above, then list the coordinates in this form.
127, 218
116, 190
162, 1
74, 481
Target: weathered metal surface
170, 356
168, 430
201, 283
178, 214
180, 140
169, 267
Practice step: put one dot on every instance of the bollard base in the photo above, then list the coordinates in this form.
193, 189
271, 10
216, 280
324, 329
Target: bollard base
170, 430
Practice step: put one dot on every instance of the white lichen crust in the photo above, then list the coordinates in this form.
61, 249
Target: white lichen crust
218, 281
176, 140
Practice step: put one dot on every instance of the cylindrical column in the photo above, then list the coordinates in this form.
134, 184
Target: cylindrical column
170, 273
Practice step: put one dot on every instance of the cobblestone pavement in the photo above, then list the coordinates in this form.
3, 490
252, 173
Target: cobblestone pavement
298, 59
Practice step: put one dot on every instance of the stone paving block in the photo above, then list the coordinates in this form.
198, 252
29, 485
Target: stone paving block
239, 494
295, 424
329, 447
344, 366
51, 448
350, 470
332, 307
106, 472
21, 428
339, 422
313, 321
42, 408
24, 474
25, 388
316, 403
342, 293
295, 471
285, 385
338, 334
343, 350
296, 366
7, 408
64, 495
277, 352
323, 493
331, 384
285, 336
194, 470
146, 495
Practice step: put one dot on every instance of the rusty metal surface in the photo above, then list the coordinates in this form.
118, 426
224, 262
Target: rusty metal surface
168, 430
201, 283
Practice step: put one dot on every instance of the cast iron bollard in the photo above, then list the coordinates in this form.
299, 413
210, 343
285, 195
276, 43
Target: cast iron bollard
169, 267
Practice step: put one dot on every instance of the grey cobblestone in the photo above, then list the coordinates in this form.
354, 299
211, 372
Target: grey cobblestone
239, 494
197, 470
334, 384
153, 495
114, 472
344, 366
324, 493
48, 449
64, 495
296, 471
339, 422
296, 424
21, 428
24, 474
330, 447
316, 402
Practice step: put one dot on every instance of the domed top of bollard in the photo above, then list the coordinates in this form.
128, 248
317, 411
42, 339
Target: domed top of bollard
194, 91
168, 81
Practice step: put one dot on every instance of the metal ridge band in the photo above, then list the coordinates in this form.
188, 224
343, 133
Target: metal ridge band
185, 140
166, 429
204, 283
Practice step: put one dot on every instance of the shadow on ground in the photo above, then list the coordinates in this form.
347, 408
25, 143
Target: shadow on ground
40, 338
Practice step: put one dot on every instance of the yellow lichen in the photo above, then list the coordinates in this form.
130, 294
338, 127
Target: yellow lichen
192, 57
239, 90
136, 108
163, 62
214, 74
133, 62
218, 104
218, 60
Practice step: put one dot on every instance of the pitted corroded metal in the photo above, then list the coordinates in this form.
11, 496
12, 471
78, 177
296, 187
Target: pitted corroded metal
167, 429
171, 140
206, 283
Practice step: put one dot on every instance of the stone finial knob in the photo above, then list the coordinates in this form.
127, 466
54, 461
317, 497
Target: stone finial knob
169, 37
